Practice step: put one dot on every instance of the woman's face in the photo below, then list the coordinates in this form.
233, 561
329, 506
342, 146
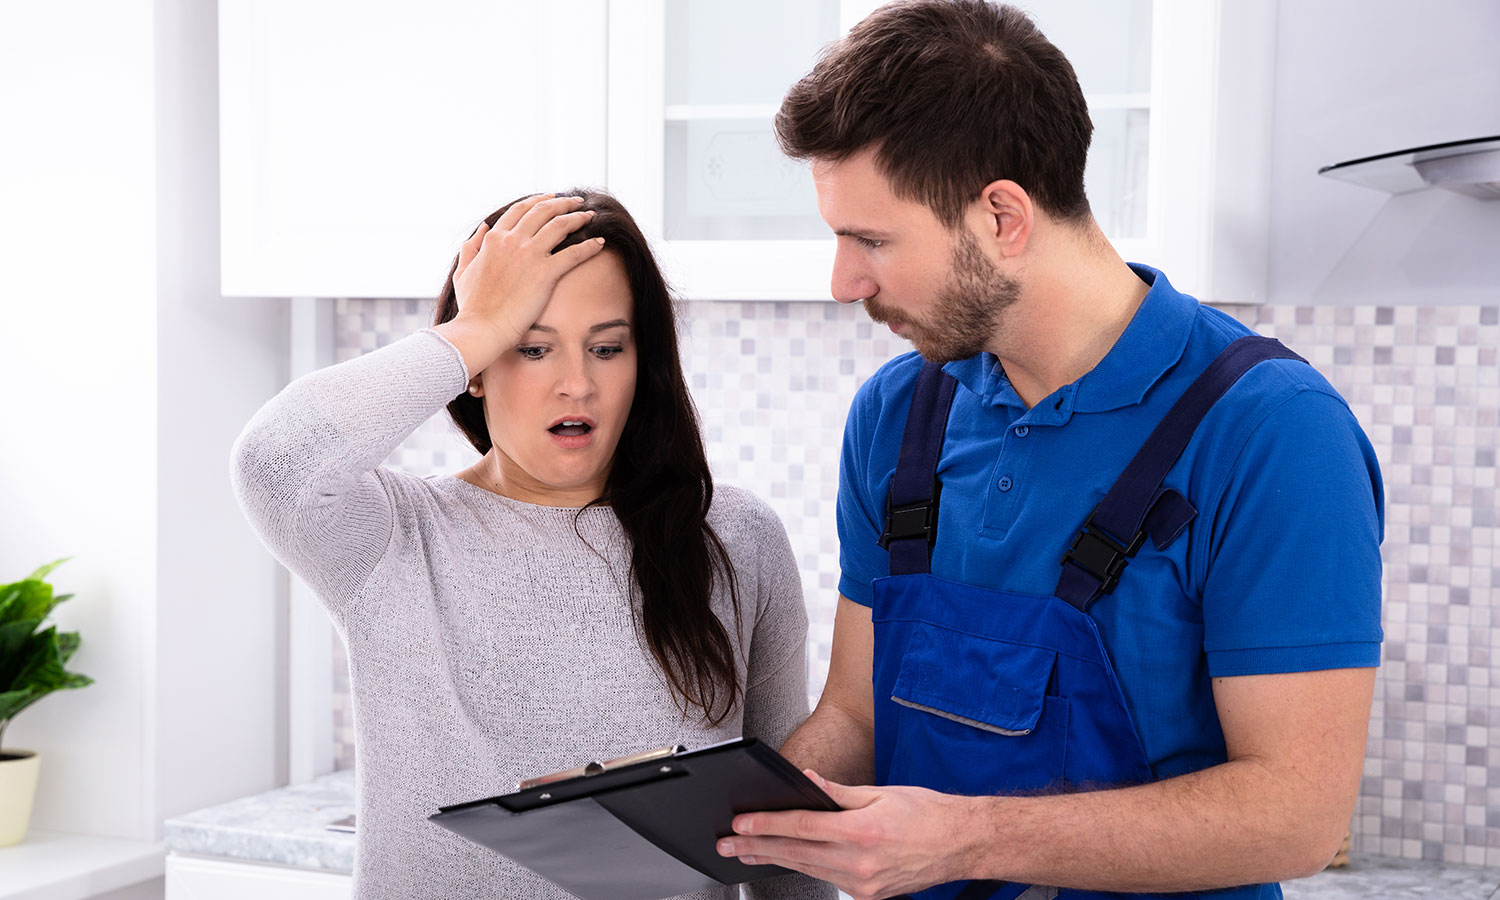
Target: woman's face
557, 402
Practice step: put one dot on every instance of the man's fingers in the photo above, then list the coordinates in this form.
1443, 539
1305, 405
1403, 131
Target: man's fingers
845, 795
776, 850
804, 824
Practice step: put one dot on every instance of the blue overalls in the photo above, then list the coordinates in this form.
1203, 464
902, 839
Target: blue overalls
986, 692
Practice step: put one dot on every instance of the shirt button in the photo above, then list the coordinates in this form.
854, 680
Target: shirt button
1005, 483
1022, 431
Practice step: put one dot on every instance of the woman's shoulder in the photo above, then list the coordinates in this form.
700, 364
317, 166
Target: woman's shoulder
737, 514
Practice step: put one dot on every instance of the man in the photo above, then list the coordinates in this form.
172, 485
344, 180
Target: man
1181, 704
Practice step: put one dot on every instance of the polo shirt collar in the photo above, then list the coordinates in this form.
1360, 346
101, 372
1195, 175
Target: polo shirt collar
978, 373
1150, 345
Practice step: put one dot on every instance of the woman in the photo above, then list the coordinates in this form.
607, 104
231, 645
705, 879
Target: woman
582, 592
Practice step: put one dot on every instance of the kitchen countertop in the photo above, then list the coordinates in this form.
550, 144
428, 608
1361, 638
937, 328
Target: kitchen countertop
289, 827
1380, 878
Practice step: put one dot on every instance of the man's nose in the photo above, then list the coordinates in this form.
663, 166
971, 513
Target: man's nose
849, 283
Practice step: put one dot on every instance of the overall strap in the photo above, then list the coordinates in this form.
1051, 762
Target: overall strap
911, 507
1115, 530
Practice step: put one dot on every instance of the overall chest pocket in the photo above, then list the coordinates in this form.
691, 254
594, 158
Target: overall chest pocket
973, 715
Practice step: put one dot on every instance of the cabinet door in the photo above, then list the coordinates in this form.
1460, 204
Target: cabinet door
193, 878
361, 142
692, 153
1177, 171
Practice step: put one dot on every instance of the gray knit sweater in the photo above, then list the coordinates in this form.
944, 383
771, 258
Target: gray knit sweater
489, 639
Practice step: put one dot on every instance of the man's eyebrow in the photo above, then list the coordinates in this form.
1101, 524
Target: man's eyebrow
862, 233
602, 326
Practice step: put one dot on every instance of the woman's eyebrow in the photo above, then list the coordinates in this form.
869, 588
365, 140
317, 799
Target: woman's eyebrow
602, 326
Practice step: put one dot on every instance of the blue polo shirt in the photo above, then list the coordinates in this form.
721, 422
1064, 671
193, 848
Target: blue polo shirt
1279, 571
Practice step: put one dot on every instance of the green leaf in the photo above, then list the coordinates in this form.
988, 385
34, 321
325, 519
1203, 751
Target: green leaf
14, 637
43, 571
32, 661
10, 599
12, 702
67, 645
27, 600
42, 670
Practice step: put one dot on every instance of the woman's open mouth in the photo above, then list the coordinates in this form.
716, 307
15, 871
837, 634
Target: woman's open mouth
572, 434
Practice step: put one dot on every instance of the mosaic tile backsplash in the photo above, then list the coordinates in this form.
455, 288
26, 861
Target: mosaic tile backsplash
773, 382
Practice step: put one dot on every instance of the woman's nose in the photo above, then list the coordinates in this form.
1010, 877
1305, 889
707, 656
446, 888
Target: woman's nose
575, 379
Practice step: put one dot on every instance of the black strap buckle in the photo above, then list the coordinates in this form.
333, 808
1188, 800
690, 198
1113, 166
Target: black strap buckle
911, 520
1100, 555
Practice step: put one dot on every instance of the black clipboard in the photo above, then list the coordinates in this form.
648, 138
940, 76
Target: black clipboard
643, 831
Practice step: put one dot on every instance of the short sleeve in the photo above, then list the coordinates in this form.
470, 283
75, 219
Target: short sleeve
1292, 579
860, 513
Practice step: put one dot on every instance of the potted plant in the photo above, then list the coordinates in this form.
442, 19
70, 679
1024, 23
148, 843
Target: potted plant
31, 667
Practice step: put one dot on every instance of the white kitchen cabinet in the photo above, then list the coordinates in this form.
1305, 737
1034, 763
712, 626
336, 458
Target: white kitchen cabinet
361, 142
199, 878
1178, 171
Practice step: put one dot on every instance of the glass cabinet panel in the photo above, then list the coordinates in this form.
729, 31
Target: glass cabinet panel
727, 67
1176, 168
1109, 44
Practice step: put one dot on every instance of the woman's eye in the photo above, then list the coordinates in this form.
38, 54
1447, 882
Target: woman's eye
608, 352
531, 352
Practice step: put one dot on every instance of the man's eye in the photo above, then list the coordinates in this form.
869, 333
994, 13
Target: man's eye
531, 352
867, 242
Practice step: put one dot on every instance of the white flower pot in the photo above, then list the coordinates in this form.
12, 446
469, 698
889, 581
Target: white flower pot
18, 771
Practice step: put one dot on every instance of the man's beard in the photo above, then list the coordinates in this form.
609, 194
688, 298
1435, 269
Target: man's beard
968, 310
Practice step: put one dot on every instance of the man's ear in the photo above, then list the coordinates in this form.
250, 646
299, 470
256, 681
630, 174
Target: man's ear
1007, 215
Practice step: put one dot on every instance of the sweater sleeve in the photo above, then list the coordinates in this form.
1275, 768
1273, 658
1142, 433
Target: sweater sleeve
776, 676
306, 468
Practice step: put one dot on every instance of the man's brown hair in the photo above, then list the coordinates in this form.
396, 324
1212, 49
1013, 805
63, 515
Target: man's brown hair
952, 95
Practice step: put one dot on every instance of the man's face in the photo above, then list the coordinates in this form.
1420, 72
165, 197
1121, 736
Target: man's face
932, 285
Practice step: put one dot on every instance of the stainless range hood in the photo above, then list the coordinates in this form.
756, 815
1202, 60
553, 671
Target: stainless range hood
1469, 167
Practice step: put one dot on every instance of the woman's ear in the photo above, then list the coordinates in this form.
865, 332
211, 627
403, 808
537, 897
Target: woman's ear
1008, 216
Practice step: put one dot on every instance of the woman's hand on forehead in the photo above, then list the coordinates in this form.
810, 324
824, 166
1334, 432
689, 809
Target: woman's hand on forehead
506, 273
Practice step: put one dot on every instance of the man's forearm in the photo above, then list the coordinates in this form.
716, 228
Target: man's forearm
1233, 824
834, 743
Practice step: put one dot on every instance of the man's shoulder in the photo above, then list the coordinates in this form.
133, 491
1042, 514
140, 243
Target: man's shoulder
1266, 385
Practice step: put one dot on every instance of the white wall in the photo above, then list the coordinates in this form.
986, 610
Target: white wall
78, 366
1356, 78
123, 379
220, 628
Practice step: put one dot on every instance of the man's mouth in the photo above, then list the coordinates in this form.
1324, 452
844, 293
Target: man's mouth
882, 315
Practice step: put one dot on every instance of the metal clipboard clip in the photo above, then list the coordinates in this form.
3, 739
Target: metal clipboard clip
595, 768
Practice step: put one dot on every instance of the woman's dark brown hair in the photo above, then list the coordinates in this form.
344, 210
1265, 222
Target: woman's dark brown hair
659, 483
951, 95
